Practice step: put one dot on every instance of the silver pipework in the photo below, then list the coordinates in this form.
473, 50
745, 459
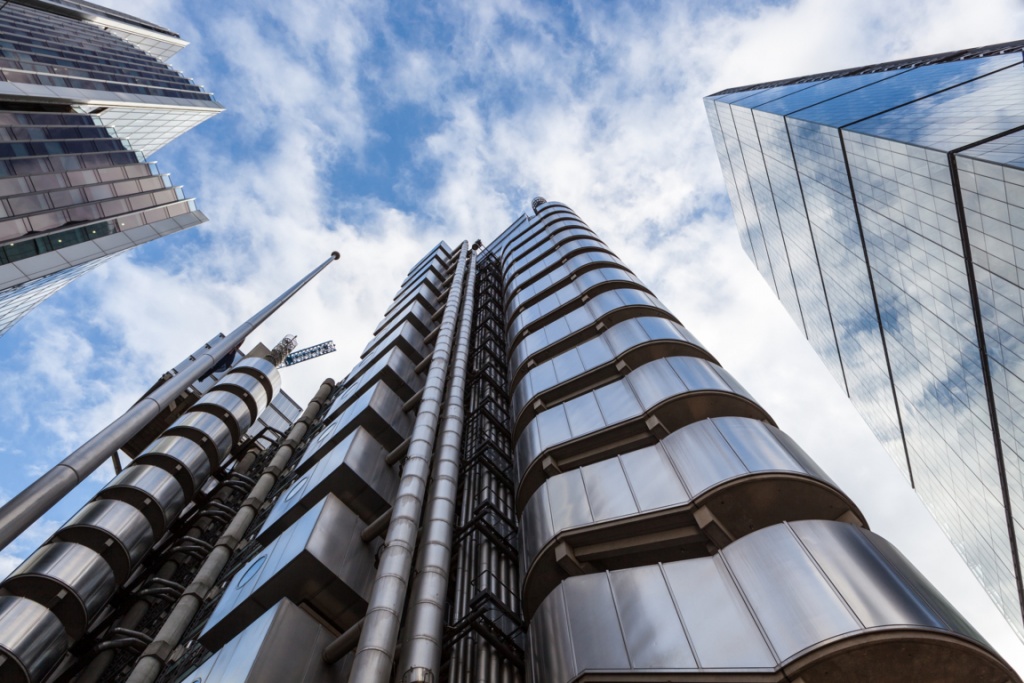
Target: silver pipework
421, 652
32, 503
76, 571
148, 667
375, 653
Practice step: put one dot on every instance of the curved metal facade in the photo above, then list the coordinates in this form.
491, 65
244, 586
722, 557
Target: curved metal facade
535, 473
643, 468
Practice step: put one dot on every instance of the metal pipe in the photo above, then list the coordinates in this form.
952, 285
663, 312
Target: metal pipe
397, 454
148, 667
344, 643
421, 651
375, 653
94, 671
32, 503
376, 528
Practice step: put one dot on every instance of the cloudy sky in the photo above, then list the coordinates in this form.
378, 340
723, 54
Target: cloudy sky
379, 131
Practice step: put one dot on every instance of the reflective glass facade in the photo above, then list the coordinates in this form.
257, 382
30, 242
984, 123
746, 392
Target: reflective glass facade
897, 193
75, 187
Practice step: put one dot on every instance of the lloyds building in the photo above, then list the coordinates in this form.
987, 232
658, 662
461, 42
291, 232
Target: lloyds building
884, 205
534, 473
86, 96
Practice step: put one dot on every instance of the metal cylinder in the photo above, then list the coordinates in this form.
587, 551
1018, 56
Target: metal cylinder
230, 407
119, 532
148, 667
152, 490
180, 456
208, 430
248, 388
32, 640
73, 581
421, 652
26, 507
80, 568
375, 653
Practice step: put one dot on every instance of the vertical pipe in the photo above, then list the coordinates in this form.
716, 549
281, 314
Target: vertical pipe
32, 503
375, 654
421, 652
148, 667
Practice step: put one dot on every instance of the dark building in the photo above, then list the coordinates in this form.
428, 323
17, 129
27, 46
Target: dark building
535, 472
85, 96
885, 207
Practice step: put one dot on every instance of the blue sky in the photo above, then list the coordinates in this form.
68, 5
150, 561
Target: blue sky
379, 130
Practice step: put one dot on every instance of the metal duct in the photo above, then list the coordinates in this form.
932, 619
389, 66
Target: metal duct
73, 581
375, 652
151, 662
116, 530
77, 571
32, 640
231, 408
25, 508
421, 652
206, 429
153, 491
183, 458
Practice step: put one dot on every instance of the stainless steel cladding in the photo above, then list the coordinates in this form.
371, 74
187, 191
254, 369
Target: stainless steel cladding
32, 640
230, 407
182, 457
646, 404
116, 530
319, 560
633, 448
619, 508
354, 471
792, 600
284, 644
593, 363
378, 409
263, 370
249, 388
73, 581
582, 324
394, 367
206, 429
689, 495
74, 575
154, 491
375, 651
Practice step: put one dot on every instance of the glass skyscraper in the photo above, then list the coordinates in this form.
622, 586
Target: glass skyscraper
884, 205
534, 473
85, 96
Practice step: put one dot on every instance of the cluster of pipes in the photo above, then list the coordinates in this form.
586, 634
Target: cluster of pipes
49, 602
53, 600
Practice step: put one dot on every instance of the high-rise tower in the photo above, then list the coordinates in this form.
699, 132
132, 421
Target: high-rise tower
535, 472
85, 96
885, 207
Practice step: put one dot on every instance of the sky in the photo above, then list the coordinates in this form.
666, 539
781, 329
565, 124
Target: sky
378, 130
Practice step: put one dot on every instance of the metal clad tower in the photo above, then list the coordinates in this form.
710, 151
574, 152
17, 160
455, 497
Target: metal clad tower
883, 205
534, 473
85, 96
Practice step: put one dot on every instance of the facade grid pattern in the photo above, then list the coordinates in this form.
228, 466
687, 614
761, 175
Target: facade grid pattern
79, 106
911, 175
